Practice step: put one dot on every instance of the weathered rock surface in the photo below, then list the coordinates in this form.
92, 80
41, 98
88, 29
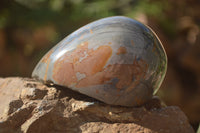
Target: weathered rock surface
29, 106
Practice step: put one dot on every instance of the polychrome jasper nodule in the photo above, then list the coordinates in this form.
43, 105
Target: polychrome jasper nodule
116, 60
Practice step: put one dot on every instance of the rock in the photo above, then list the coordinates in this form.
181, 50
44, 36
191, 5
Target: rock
28, 106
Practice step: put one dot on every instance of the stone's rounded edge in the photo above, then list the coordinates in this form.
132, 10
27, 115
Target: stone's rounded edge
163, 60
45, 68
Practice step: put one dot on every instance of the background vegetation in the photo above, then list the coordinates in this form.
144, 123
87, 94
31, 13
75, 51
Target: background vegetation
29, 28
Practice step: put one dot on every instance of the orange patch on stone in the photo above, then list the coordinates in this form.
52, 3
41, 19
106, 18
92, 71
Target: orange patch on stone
154, 47
109, 43
91, 31
139, 101
101, 57
67, 67
118, 95
81, 37
132, 42
121, 50
46, 70
93, 66
46, 57
123, 72
46, 60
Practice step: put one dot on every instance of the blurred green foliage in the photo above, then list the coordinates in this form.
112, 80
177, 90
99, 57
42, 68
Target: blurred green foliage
34, 12
68, 15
